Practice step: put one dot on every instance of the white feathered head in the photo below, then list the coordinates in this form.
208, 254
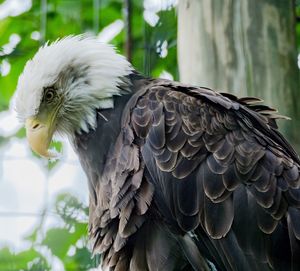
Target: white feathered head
63, 84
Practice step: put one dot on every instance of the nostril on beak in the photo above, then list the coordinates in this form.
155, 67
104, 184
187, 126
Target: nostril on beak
36, 126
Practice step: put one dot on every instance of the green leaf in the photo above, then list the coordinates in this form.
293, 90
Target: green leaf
3, 140
21, 133
70, 209
6, 259
20, 261
57, 146
80, 261
59, 240
32, 237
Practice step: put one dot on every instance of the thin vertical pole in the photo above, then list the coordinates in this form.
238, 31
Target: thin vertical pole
128, 40
147, 50
96, 8
43, 26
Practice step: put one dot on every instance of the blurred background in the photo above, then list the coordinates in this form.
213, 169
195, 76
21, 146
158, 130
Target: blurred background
246, 47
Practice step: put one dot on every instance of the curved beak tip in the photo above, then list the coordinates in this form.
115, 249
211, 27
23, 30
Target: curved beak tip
39, 137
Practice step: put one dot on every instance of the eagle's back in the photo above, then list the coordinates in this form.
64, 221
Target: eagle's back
179, 173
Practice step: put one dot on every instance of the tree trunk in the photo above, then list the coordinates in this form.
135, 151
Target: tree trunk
244, 47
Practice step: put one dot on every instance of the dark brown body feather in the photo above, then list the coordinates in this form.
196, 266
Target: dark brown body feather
182, 177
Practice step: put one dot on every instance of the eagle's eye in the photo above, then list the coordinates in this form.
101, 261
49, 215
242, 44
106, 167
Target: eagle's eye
49, 94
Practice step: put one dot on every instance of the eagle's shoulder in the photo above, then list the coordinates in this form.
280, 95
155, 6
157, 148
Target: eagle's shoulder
246, 112
205, 149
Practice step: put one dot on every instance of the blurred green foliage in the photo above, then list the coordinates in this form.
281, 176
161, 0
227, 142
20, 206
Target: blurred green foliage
20, 37
297, 13
69, 17
68, 242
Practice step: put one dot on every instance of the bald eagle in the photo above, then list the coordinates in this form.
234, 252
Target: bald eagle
180, 177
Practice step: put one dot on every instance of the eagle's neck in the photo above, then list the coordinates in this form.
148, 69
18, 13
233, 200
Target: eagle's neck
88, 107
94, 145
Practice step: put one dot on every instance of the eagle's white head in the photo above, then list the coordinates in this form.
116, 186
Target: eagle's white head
63, 84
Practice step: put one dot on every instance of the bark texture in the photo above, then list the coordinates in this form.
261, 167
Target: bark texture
243, 47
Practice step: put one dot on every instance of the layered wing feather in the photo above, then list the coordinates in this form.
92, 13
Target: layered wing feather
191, 173
218, 163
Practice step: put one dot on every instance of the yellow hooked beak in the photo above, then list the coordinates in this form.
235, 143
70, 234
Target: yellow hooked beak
39, 135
